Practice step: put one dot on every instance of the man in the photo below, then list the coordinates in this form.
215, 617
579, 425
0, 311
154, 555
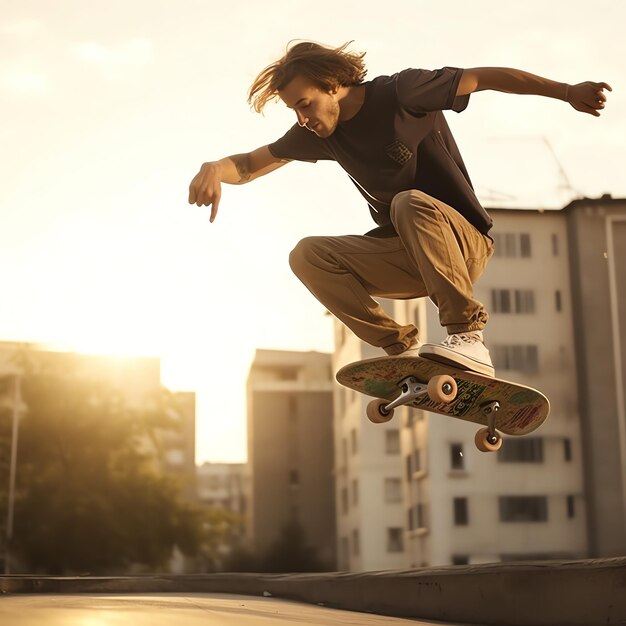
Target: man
389, 134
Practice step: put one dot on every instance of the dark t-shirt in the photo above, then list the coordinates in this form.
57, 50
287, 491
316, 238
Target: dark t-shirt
398, 140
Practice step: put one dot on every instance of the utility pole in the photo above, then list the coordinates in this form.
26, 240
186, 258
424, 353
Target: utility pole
16, 416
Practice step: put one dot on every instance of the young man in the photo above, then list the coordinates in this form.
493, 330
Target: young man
389, 134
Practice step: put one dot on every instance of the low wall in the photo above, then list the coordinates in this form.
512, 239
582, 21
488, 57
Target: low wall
542, 593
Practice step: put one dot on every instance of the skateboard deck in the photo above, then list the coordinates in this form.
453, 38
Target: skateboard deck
520, 409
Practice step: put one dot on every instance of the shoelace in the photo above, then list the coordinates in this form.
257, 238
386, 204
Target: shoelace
459, 339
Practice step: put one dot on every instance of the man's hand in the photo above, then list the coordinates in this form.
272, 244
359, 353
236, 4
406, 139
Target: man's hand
206, 187
587, 97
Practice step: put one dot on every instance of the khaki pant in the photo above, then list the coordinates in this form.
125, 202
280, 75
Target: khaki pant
437, 253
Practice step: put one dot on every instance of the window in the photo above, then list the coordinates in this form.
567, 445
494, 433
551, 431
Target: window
288, 373
460, 559
410, 520
512, 244
457, 460
524, 301
500, 300
345, 553
294, 478
523, 508
395, 540
557, 300
355, 492
526, 450
420, 514
409, 467
344, 501
555, 244
392, 441
571, 513
567, 450
460, 512
521, 358
513, 301
393, 490
356, 547
353, 441
417, 460
344, 450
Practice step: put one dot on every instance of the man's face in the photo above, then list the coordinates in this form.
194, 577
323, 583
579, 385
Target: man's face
315, 109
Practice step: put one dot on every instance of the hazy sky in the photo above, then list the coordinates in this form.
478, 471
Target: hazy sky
109, 108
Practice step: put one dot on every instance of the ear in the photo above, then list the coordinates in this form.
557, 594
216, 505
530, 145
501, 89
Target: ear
334, 90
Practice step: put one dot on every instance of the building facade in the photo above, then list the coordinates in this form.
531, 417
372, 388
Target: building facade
555, 292
368, 473
290, 451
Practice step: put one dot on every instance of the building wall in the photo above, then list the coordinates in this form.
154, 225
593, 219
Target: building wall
482, 480
597, 232
290, 449
370, 516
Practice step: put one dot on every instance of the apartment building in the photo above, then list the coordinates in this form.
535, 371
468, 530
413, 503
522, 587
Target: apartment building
526, 501
597, 242
224, 486
290, 450
368, 473
555, 293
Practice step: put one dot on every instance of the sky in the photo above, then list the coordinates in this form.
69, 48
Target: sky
109, 108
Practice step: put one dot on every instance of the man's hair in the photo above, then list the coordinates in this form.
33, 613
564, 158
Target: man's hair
325, 67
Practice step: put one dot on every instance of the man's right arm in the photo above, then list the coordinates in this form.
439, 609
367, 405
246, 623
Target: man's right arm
206, 189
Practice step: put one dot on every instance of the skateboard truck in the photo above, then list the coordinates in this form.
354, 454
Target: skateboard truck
488, 439
441, 388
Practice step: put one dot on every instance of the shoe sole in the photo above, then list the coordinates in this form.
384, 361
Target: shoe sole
460, 361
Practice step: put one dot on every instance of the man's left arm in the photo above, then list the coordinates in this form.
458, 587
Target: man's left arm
587, 97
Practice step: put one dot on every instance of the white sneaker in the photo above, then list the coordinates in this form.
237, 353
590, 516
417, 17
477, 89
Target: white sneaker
463, 350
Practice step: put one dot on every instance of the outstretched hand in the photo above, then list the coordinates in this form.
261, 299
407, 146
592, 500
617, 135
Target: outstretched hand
588, 97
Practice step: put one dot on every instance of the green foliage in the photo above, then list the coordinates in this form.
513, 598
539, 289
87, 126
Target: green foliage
90, 496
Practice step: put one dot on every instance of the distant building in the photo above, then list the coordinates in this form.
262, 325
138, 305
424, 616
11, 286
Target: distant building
290, 450
224, 486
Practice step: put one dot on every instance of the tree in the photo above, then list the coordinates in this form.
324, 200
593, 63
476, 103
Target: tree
89, 494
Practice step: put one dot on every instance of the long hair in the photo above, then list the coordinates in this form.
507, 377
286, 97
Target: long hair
325, 67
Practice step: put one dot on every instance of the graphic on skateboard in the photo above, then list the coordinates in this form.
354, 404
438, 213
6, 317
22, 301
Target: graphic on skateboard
498, 405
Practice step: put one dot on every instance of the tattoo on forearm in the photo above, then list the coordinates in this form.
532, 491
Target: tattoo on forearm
241, 163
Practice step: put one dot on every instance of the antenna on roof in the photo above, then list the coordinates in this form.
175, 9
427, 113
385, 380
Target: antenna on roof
566, 183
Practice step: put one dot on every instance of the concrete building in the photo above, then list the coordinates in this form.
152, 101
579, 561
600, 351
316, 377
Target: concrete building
290, 450
596, 231
225, 486
368, 473
556, 296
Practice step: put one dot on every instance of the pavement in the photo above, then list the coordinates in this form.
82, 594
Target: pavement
180, 609
533, 593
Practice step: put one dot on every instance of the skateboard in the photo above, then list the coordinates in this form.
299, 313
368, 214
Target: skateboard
497, 405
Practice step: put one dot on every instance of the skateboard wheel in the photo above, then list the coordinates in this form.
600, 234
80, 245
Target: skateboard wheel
376, 411
486, 442
442, 388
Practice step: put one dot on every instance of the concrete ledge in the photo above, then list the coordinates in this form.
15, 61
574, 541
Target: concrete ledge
541, 593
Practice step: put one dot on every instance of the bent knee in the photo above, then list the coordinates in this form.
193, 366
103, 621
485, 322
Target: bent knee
408, 202
301, 256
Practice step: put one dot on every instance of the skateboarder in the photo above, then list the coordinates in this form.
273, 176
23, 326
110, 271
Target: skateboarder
389, 134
